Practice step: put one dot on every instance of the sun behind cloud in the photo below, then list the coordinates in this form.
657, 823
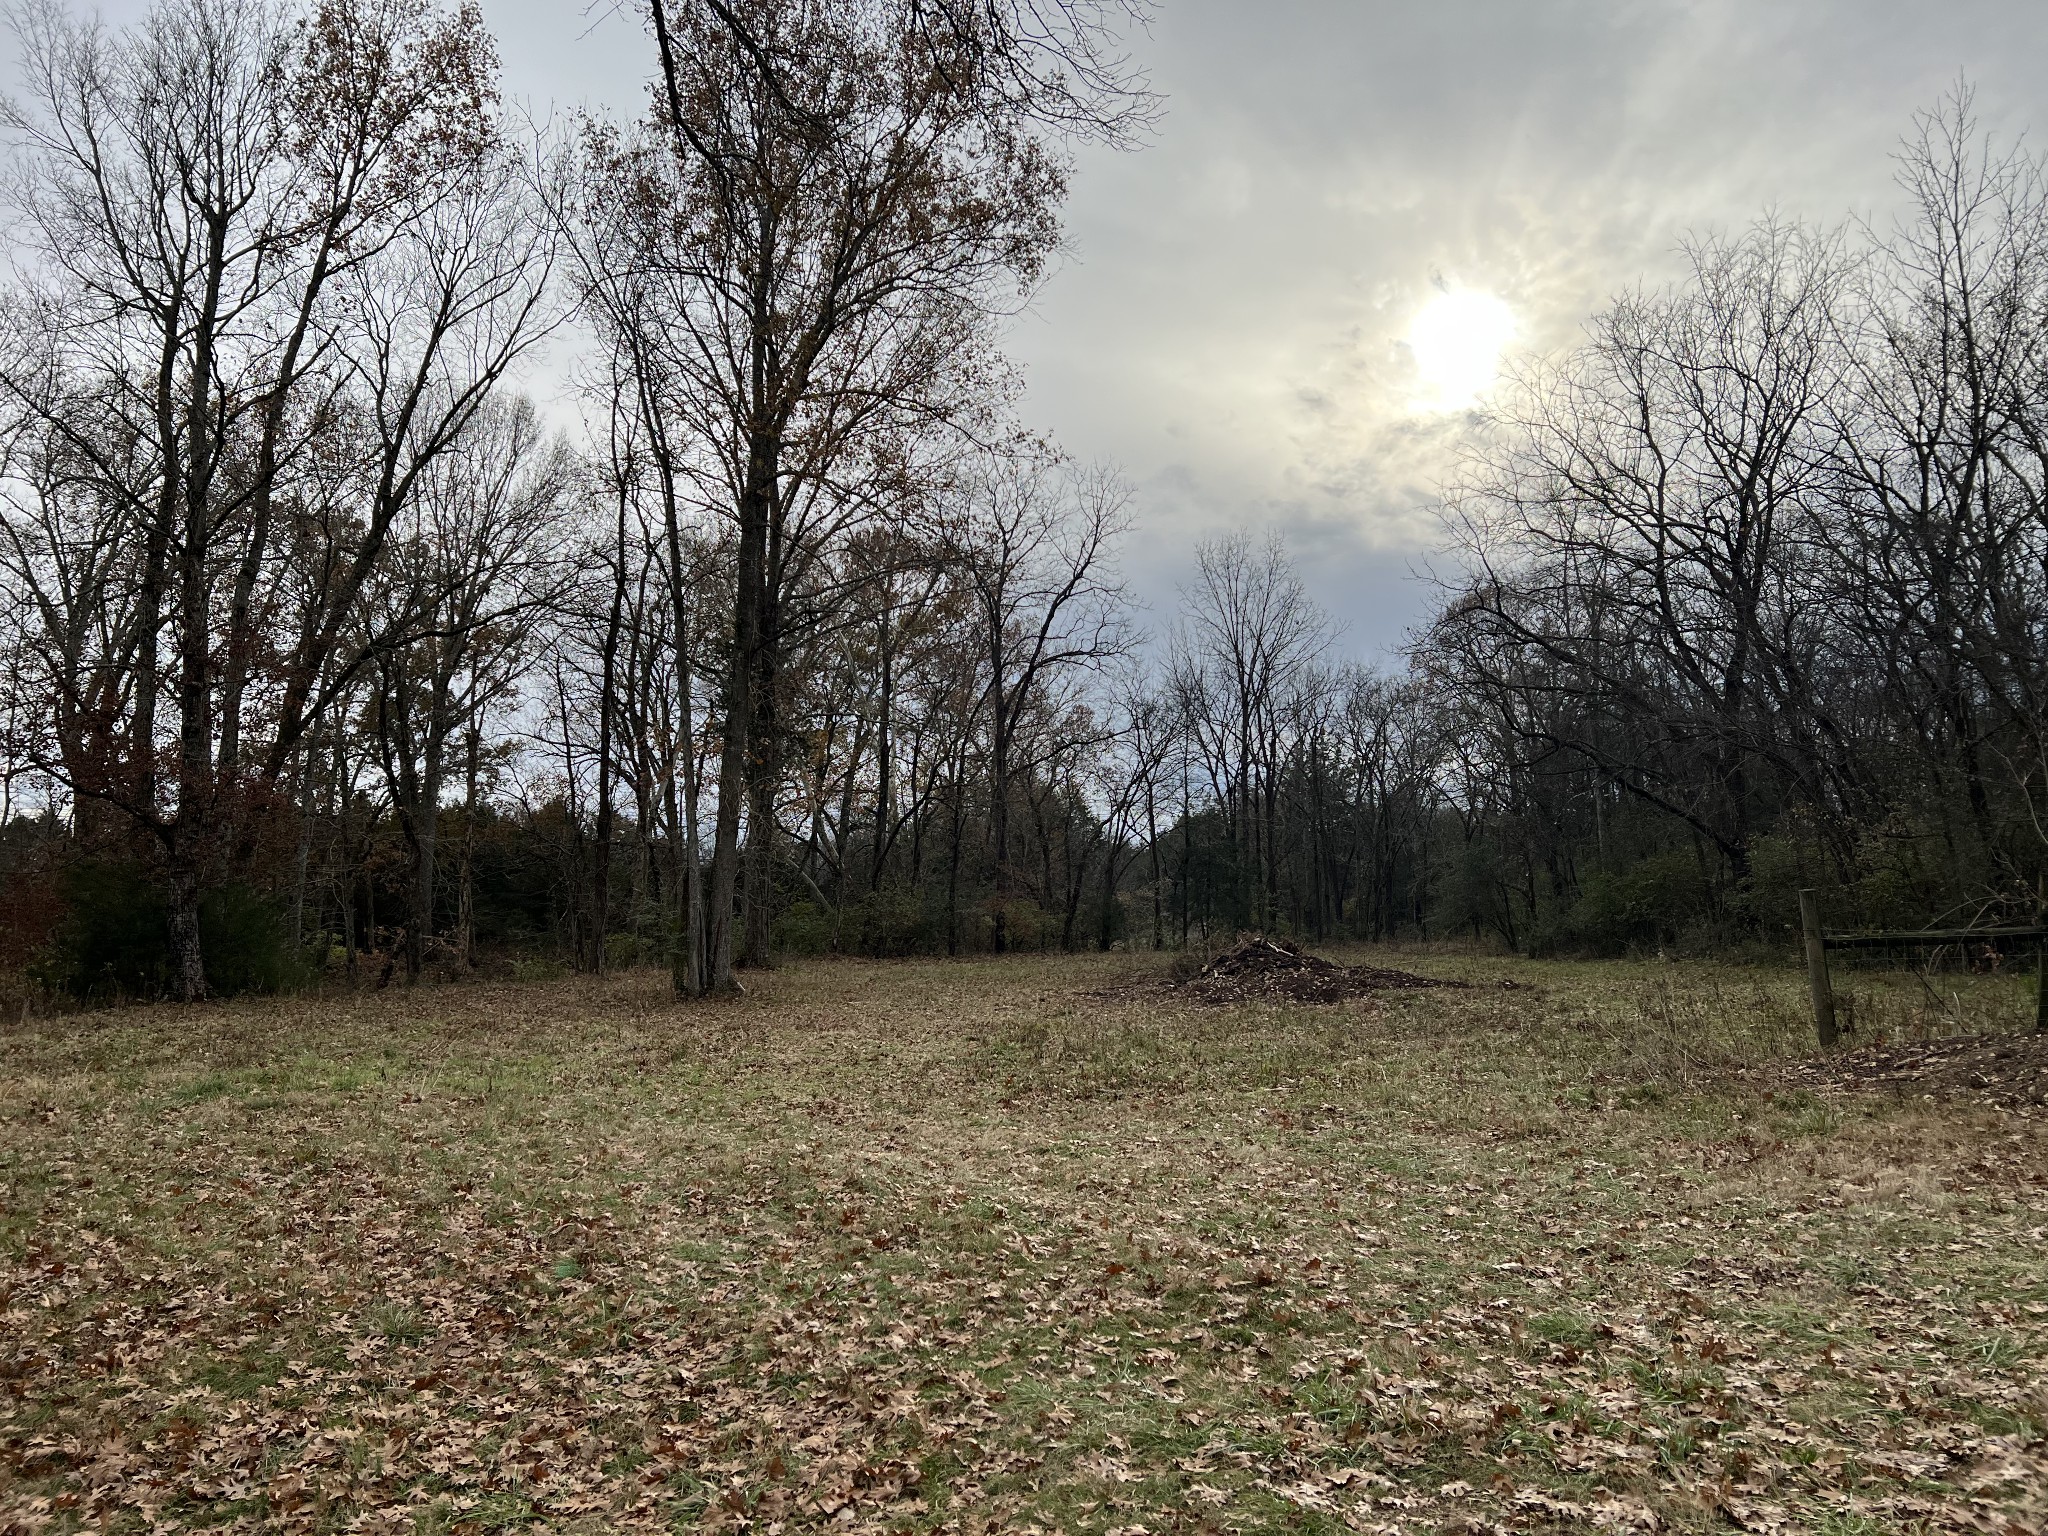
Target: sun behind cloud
1457, 339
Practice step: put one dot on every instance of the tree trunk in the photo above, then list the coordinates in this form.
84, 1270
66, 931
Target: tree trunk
465, 912
1152, 836
1106, 935
884, 807
764, 748
199, 811
999, 834
760, 875
303, 857
426, 818
693, 861
953, 874
687, 953
188, 967
607, 709
739, 712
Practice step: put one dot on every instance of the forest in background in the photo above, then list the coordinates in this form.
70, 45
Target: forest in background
326, 655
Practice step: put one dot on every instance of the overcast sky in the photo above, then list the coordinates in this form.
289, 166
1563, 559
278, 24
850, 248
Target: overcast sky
1233, 325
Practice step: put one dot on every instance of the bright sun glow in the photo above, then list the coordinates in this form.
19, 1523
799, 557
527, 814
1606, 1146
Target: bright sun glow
1457, 339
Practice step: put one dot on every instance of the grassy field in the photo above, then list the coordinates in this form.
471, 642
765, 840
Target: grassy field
970, 1247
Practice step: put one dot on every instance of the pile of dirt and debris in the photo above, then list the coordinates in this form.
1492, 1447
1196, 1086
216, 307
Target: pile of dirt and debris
1275, 971
2006, 1070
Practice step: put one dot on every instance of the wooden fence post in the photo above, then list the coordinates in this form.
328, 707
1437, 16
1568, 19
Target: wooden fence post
1817, 969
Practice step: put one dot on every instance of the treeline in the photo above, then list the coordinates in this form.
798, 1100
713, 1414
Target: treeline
1761, 591
326, 653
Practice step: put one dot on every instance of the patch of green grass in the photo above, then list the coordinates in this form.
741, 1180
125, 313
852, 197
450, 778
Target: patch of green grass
242, 1376
396, 1321
1564, 1328
213, 1086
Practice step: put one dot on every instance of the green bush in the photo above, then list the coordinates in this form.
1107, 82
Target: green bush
1027, 925
247, 944
1900, 876
893, 922
623, 951
804, 928
884, 924
114, 940
1474, 894
1655, 901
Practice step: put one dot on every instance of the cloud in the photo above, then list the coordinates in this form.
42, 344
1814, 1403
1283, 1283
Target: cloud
1231, 325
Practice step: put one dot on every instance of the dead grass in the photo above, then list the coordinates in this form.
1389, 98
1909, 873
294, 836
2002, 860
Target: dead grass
925, 1246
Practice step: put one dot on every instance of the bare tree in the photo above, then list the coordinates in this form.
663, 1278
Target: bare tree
1033, 544
858, 184
1249, 631
1639, 525
217, 205
474, 567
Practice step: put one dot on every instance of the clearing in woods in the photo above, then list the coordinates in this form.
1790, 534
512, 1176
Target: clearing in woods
1027, 1245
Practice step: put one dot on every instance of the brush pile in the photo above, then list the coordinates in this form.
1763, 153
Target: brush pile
1262, 970
2004, 1071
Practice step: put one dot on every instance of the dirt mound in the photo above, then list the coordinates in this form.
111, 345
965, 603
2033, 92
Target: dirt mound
1273, 970
2006, 1070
